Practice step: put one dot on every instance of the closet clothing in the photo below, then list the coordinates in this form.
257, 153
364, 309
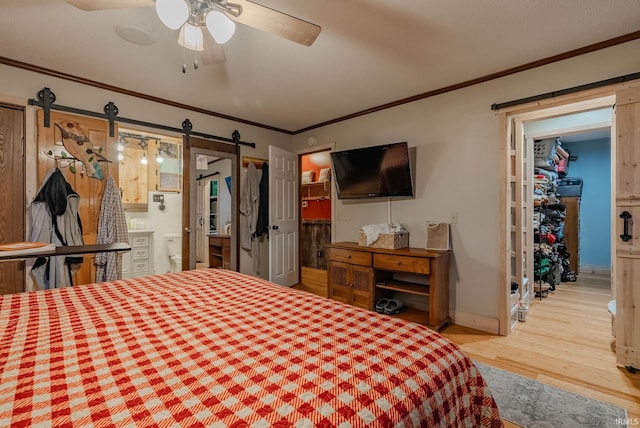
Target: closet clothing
249, 207
112, 227
55, 218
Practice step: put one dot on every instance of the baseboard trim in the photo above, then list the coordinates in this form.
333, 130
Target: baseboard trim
475, 321
594, 270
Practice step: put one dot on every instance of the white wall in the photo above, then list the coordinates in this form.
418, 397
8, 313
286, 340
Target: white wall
17, 86
457, 139
160, 222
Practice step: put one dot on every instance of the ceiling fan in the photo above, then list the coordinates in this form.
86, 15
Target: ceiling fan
218, 17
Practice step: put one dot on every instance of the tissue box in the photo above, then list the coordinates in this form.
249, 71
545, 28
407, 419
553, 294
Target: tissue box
386, 240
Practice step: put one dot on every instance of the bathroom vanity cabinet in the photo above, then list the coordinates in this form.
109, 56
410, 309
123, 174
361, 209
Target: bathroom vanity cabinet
139, 261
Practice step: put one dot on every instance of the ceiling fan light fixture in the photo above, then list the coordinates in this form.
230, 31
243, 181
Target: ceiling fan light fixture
191, 37
172, 13
220, 26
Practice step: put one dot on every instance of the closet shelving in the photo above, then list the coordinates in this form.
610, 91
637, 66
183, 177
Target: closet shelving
550, 250
317, 190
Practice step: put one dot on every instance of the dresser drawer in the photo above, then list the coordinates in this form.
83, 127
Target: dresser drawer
141, 267
139, 253
349, 256
402, 263
140, 241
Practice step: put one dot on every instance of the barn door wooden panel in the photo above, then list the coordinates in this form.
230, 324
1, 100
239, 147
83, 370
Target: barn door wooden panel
50, 154
12, 199
627, 218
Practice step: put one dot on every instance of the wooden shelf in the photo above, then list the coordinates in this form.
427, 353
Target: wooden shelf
220, 251
405, 287
316, 191
413, 315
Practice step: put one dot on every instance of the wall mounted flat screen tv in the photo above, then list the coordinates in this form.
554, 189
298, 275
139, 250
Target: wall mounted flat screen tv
373, 172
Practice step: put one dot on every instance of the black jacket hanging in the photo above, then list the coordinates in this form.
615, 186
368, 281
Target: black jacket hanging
56, 219
262, 225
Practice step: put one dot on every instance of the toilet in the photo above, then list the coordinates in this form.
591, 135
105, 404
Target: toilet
173, 244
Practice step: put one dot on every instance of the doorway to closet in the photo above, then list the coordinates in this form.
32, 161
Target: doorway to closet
224, 222
571, 198
624, 246
545, 192
315, 215
213, 212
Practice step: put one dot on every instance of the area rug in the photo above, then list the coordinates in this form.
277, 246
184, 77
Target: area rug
533, 404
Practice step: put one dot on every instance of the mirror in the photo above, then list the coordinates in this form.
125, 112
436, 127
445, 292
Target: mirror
133, 172
147, 162
169, 160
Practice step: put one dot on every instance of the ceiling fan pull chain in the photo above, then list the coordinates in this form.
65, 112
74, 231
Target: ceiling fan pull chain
184, 61
196, 63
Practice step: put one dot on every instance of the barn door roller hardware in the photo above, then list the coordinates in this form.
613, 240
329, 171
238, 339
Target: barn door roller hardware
46, 100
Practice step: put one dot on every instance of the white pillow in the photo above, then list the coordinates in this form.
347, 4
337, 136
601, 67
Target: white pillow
325, 174
307, 177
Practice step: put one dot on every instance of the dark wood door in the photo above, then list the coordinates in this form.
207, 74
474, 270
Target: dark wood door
362, 285
12, 194
340, 282
89, 187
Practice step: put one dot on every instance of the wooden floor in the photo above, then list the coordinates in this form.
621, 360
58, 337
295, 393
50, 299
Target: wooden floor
565, 342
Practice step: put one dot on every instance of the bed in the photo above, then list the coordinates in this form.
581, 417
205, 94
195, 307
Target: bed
217, 348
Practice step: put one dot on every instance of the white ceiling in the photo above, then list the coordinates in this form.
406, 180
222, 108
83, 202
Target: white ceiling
369, 53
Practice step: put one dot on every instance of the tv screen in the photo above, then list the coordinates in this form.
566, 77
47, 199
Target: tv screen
373, 172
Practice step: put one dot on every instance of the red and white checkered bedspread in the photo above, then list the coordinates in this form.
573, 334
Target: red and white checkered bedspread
220, 349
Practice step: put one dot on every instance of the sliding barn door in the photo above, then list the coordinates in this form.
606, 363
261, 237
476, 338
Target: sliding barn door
50, 154
12, 199
627, 217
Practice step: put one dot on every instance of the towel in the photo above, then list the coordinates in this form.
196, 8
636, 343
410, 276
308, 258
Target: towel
373, 231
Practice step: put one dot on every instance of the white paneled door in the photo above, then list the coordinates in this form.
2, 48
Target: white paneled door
283, 217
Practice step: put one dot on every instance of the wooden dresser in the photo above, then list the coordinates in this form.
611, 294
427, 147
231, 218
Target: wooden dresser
220, 251
360, 276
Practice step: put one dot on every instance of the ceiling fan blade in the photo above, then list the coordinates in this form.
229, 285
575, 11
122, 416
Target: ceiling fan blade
213, 53
93, 5
276, 22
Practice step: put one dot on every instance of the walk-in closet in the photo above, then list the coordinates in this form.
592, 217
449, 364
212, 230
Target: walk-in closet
562, 188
